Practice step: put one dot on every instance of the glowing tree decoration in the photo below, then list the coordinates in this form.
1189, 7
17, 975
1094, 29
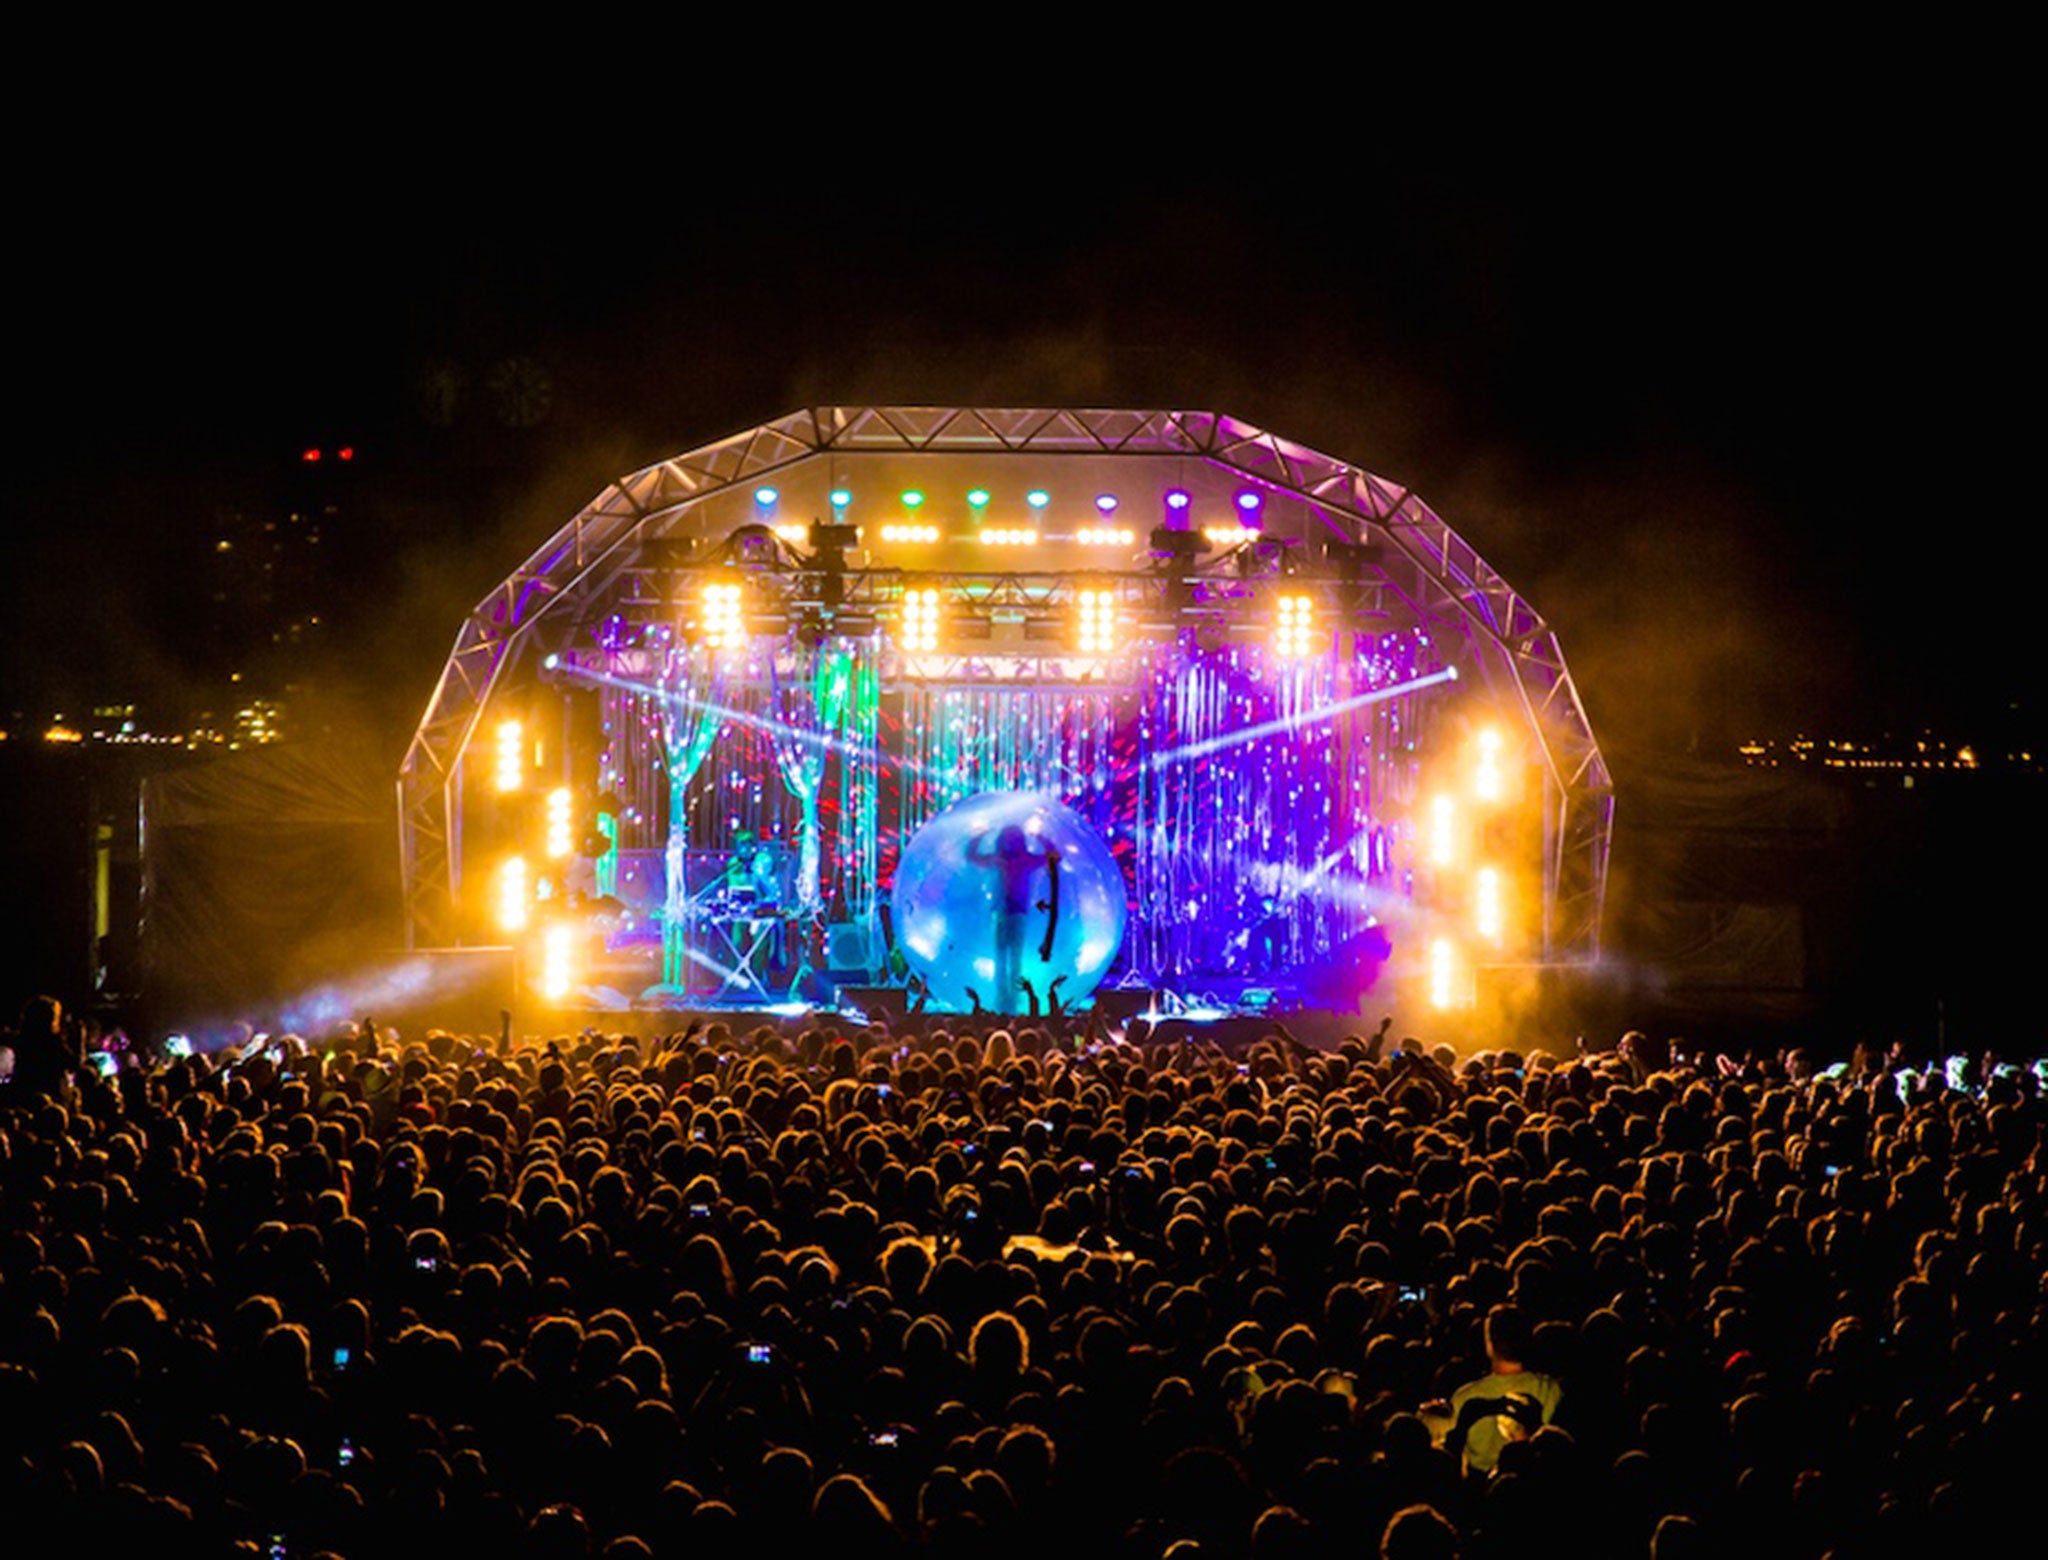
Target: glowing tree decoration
1007, 902
692, 712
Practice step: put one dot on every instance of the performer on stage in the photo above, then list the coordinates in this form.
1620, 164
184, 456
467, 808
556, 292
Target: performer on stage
766, 873
739, 866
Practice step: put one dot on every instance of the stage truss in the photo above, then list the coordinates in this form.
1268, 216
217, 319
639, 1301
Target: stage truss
825, 729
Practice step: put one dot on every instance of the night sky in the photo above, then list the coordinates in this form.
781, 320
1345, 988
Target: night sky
1734, 391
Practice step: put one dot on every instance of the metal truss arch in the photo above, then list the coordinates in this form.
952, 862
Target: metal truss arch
1483, 625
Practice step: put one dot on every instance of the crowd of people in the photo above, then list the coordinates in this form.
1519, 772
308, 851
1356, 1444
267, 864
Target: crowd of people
984, 1287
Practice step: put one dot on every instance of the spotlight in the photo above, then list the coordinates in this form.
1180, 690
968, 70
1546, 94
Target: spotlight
1008, 536
765, 497
1096, 621
840, 497
1294, 625
1486, 771
511, 894
1249, 506
1177, 501
1489, 915
917, 534
510, 770
977, 500
555, 972
920, 625
1106, 536
1443, 974
723, 622
1443, 838
1105, 505
560, 818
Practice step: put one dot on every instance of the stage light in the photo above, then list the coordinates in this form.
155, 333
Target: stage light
511, 894
723, 620
560, 819
1489, 915
765, 497
555, 972
1443, 839
1105, 504
913, 498
921, 534
977, 500
509, 772
1096, 621
920, 627
1487, 781
1249, 504
1443, 974
1008, 536
1106, 536
840, 498
794, 532
1227, 535
1177, 501
1294, 625
1038, 498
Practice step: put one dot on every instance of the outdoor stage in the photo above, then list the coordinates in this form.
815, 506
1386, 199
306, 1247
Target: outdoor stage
1283, 741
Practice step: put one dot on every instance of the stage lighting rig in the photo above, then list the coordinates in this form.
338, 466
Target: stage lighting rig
1261, 557
1170, 546
757, 549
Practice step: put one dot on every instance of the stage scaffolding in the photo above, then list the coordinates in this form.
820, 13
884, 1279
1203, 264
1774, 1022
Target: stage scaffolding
824, 729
